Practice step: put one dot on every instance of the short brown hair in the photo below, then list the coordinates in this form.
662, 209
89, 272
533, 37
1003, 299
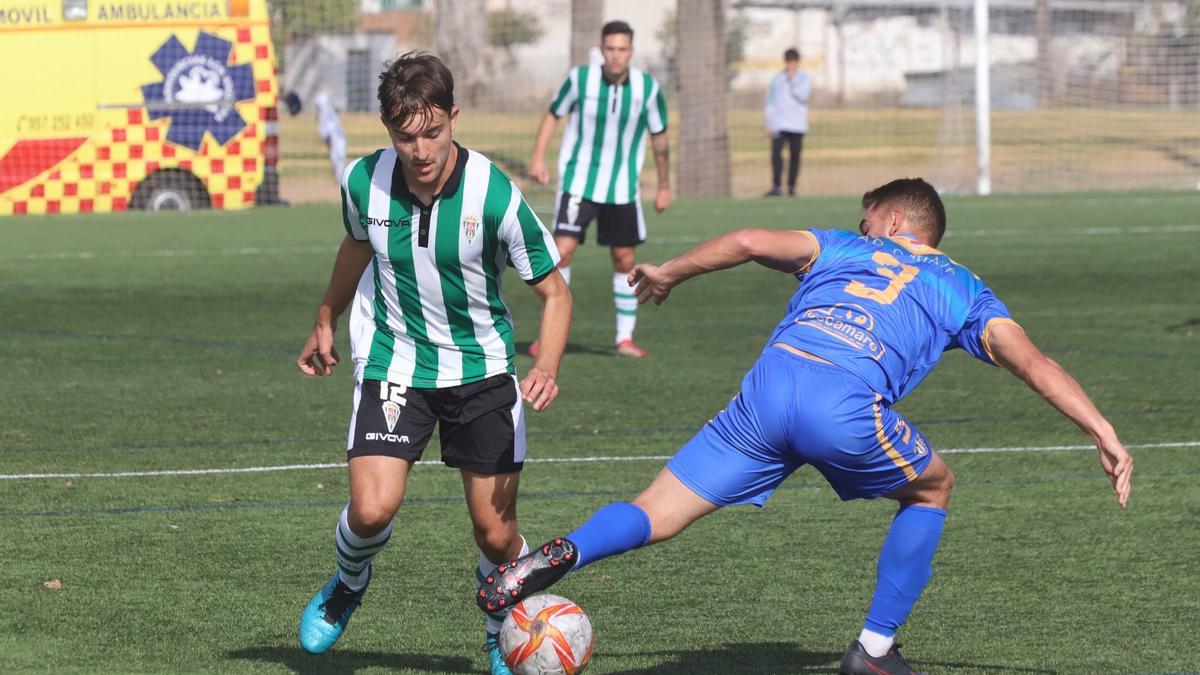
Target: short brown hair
923, 208
412, 86
616, 28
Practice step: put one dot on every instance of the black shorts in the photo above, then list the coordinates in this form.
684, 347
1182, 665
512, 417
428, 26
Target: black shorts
616, 224
481, 425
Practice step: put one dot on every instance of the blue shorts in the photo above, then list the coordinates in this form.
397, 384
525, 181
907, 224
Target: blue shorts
793, 411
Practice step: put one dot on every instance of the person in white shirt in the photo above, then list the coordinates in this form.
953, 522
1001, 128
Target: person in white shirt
329, 128
786, 114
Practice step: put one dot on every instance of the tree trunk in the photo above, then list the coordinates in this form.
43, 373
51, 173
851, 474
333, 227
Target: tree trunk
587, 18
460, 40
703, 166
1045, 55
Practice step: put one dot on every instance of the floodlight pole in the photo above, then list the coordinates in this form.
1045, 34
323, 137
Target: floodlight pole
983, 102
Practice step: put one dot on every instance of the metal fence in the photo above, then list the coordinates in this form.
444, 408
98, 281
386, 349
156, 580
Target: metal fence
1085, 95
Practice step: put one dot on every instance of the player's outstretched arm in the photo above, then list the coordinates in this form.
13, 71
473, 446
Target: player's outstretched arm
783, 250
1014, 350
537, 163
539, 387
319, 356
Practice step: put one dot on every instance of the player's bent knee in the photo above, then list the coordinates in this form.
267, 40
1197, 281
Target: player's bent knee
369, 519
932, 488
496, 542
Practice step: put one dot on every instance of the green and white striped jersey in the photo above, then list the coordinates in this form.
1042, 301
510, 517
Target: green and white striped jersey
429, 312
604, 144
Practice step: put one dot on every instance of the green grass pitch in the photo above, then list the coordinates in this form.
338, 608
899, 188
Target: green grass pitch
145, 342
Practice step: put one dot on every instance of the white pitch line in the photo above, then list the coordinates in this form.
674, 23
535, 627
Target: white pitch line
1062, 448
1019, 232
171, 253
547, 460
1078, 231
269, 250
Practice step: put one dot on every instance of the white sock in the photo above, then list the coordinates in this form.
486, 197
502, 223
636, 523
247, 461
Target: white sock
565, 271
626, 303
486, 567
876, 645
354, 553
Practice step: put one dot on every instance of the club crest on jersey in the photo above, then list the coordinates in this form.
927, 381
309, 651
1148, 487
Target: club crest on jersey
921, 449
470, 226
391, 413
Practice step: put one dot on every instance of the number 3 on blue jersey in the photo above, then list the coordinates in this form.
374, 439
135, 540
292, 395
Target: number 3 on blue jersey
885, 296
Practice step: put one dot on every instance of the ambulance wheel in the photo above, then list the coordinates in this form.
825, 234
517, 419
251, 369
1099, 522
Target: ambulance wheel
171, 191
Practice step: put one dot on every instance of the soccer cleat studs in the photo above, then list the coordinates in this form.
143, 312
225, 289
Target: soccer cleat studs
525, 576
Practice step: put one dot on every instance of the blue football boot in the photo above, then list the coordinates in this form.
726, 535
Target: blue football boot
327, 613
495, 658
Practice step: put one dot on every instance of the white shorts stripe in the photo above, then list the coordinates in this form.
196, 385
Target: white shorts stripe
518, 418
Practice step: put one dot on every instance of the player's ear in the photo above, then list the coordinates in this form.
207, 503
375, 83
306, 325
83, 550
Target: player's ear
897, 221
453, 118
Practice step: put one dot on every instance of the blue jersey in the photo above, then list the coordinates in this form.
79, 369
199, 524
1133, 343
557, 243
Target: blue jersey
886, 309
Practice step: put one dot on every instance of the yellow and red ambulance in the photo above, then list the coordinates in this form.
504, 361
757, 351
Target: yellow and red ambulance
136, 104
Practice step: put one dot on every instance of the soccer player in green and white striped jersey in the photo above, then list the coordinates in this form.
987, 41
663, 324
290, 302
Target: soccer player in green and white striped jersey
430, 229
612, 109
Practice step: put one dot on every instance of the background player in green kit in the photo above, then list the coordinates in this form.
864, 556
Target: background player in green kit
603, 147
430, 229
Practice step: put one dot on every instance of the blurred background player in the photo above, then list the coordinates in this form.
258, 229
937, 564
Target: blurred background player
329, 128
871, 319
430, 335
786, 114
599, 164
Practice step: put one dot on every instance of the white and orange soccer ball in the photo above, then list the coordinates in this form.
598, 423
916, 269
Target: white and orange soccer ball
547, 635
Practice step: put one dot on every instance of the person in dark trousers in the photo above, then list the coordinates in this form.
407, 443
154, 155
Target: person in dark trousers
786, 113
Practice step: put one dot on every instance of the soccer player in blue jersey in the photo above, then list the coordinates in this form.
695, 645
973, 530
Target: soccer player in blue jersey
871, 316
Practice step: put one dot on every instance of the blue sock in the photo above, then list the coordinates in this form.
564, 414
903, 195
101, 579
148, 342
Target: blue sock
614, 529
904, 566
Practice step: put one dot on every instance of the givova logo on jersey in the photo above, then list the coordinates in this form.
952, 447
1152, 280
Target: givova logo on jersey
392, 404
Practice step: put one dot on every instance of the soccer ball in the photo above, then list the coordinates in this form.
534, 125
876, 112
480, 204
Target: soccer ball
547, 635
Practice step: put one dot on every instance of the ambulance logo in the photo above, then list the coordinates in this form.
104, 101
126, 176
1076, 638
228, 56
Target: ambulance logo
205, 85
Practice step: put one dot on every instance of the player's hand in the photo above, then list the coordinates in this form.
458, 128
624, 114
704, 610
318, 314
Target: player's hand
650, 283
538, 172
539, 389
1118, 464
768, 132
319, 356
662, 199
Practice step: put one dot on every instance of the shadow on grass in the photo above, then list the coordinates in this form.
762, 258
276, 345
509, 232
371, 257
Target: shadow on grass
759, 658
966, 666
572, 348
350, 661
762, 658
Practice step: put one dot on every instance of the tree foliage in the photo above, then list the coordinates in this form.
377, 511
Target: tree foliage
509, 28
301, 18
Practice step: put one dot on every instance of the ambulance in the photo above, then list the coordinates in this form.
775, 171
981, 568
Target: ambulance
110, 105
